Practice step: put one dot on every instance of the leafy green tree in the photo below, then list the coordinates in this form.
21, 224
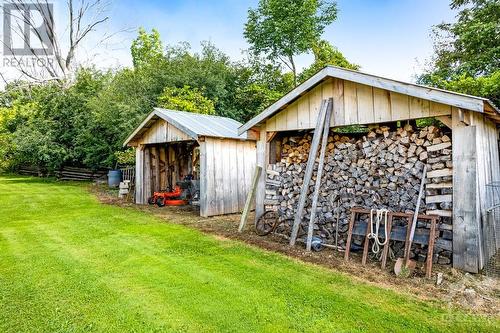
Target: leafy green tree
283, 29
115, 111
258, 83
41, 123
146, 49
467, 53
325, 54
84, 122
186, 99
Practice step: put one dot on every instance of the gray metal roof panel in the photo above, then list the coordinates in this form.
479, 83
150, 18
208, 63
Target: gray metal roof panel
193, 124
202, 124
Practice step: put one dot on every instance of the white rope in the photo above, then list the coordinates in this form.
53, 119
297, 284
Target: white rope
381, 214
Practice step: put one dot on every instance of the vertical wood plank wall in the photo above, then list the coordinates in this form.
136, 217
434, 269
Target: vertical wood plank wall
226, 172
354, 104
488, 170
139, 175
465, 212
161, 132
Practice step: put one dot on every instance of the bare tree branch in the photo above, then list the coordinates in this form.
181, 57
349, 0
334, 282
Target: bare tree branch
83, 19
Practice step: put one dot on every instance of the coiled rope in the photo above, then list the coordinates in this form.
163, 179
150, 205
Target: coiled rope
381, 215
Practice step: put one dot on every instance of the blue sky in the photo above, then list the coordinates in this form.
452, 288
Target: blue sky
386, 37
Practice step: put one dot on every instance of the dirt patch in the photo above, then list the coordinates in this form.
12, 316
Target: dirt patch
473, 292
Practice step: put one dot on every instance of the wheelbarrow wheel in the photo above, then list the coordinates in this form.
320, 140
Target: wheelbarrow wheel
160, 202
151, 200
266, 223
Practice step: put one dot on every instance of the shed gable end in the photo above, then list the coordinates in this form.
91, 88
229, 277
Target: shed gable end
162, 131
353, 103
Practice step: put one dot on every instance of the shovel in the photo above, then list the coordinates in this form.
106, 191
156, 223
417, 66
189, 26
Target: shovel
405, 263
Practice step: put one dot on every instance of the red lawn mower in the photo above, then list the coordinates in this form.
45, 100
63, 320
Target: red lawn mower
185, 191
168, 198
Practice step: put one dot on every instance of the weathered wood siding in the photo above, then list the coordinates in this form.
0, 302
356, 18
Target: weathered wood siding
262, 161
476, 163
161, 132
227, 168
139, 175
488, 170
354, 104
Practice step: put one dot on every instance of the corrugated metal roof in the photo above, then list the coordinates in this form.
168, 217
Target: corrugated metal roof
202, 124
193, 124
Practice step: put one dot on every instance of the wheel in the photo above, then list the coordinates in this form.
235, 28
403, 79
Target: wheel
160, 202
266, 223
151, 200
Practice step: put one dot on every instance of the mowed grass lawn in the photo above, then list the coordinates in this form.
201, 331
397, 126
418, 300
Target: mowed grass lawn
71, 264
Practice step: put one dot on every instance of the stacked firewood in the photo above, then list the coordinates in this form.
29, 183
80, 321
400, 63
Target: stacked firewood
380, 169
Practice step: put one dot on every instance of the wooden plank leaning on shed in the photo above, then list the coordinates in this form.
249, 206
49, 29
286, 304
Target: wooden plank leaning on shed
317, 184
309, 168
465, 217
250, 196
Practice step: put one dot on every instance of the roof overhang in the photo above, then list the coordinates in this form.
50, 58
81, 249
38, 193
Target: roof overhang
458, 100
150, 120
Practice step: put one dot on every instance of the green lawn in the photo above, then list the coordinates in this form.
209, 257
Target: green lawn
71, 264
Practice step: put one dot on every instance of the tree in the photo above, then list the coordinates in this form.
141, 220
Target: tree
325, 54
44, 122
467, 53
83, 19
146, 49
186, 99
283, 29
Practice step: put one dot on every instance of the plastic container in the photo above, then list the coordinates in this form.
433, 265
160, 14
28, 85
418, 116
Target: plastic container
114, 178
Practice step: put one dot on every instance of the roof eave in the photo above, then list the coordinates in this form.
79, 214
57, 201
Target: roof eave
138, 128
436, 95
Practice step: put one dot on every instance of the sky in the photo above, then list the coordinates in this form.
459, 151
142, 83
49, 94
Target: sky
385, 37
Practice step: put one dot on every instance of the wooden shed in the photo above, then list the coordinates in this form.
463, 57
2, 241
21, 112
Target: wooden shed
375, 103
171, 145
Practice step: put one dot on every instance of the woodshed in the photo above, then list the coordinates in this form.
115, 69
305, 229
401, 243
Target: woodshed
171, 145
382, 134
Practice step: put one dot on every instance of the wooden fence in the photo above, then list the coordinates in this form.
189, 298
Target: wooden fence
65, 173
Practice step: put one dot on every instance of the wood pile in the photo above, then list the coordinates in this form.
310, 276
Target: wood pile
381, 169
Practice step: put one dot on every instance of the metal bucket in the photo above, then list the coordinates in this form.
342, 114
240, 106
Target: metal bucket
114, 178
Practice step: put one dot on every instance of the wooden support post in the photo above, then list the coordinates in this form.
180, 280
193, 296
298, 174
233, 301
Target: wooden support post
262, 161
319, 174
349, 235
163, 168
466, 217
147, 173
250, 196
139, 175
309, 169
430, 250
366, 245
157, 168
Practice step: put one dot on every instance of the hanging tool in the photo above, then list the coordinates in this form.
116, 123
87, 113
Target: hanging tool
411, 264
